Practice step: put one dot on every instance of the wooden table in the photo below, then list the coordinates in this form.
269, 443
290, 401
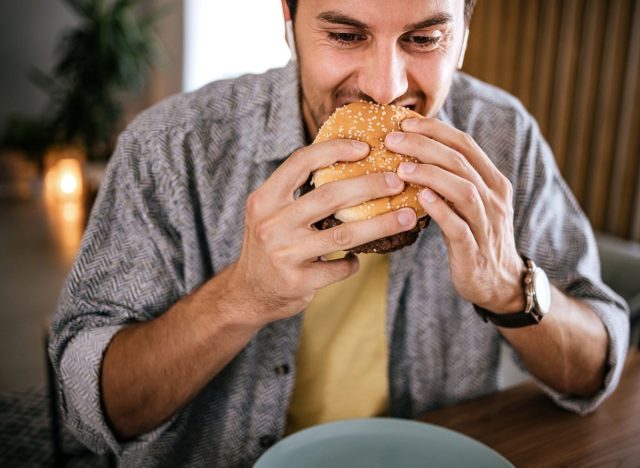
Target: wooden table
524, 425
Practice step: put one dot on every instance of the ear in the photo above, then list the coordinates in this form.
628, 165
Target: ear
285, 10
288, 30
463, 49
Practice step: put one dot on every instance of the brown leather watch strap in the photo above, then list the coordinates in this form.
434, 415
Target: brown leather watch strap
511, 320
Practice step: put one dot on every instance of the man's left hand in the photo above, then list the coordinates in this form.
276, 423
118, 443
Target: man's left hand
471, 200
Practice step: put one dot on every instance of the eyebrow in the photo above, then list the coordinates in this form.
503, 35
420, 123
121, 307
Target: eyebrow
340, 18
440, 18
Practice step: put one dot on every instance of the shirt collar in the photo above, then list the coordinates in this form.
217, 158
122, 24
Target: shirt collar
284, 130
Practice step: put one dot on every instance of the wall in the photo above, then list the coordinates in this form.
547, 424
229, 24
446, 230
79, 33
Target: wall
575, 64
222, 41
29, 30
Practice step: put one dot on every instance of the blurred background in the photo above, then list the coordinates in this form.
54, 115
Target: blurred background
65, 95
47, 184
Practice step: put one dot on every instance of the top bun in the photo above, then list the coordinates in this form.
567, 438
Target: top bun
369, 123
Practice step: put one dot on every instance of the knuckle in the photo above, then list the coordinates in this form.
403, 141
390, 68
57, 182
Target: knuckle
505, 186
280, 257
290, 282
294, 281
503, 210
298, 157
459, 232
470, 194
341, 235
254, 205
324, 195
468, 142
264, 231
299, 153
460, 162
300, 206
429, 122
338, 144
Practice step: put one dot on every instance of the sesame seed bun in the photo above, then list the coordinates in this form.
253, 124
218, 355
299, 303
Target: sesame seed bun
370, 123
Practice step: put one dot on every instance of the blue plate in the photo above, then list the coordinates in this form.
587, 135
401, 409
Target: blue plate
379, 442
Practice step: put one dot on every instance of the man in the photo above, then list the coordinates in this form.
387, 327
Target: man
176, 336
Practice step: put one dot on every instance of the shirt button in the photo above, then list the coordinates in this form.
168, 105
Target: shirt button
267, 441
282, 369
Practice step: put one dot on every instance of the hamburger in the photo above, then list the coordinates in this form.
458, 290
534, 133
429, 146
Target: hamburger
369, 123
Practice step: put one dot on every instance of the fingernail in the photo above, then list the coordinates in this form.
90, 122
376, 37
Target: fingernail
406, 217
359, 145
428, 195
407, 167
395, 137
392, 180
410, 123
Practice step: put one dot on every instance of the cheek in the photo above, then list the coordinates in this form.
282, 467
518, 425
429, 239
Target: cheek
433, 78
431, 75
324, 71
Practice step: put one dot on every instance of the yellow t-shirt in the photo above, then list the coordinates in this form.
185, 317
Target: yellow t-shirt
342, 357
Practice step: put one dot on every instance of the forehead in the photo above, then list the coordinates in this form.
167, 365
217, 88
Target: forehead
384, 13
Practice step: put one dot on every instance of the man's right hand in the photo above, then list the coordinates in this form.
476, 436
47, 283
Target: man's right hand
281, 266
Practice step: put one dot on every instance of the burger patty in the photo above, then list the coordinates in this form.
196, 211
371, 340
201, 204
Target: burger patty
384, 245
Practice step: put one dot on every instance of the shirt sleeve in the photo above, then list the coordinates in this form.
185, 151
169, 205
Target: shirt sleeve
552, 229
128, 270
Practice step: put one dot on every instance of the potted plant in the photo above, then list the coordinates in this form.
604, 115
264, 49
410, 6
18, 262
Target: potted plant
106, 56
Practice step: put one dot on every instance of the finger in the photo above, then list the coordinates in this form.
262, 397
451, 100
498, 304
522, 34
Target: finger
352, 234
295, 171
456, 231
463, 194
459, 141
326, 272
333, 196
430, 151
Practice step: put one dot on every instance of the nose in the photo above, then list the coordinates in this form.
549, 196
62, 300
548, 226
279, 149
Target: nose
383, 76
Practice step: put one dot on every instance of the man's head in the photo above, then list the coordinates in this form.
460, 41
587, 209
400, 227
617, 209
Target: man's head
402, 52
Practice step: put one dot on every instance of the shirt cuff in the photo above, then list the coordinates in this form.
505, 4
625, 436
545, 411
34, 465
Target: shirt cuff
81, 398
617, 328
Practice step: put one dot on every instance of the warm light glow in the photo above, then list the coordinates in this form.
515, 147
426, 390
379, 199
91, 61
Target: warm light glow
69, 174
68, 183
63, 196
71, 212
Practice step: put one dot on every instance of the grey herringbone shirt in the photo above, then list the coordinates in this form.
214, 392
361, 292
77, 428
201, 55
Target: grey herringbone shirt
170, 215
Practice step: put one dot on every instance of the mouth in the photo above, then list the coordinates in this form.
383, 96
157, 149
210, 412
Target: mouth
408, 105
411, 106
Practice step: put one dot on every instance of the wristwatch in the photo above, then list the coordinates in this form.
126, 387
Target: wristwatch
537, 301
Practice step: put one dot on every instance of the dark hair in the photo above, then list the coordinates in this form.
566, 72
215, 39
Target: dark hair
468, 9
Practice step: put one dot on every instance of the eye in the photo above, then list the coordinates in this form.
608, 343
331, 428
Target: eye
346, 38
423, 42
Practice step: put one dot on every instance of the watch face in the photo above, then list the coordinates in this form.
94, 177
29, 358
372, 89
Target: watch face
542, 291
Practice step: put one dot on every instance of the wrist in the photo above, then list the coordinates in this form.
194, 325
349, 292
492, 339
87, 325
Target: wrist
537, 298
511, 295
515, 299
234, 306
